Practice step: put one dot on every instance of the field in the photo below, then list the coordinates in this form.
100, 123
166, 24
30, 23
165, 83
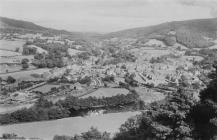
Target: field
12, 45
45, 88
4, 68
107, 92
149, 95
73, 51
25, 75
8, 53
68, 126
11, 108
15, 59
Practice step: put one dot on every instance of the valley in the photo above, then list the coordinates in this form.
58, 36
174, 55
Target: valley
53, 78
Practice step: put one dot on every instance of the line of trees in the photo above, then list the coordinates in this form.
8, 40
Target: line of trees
92, 134
75, 103
29, 50
71, 106
42, 110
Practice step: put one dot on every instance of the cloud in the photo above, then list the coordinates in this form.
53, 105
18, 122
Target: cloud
212, 4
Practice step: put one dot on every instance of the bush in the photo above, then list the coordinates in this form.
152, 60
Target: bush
85, 80
9, 136
25, 66
170, 40
10, 80
24, 61
92, 134
108, 79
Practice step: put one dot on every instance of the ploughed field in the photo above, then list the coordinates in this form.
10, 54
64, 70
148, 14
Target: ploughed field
69, 126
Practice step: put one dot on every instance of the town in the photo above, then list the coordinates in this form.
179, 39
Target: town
83, 71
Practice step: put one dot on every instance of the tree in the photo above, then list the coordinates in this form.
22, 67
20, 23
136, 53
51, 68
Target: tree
9, 136
25, 61
129, 79
25, 66
108, 78
29, 50
163, 120
53, 89
84, 55
57, 113
204, 114
179, 116
10, 80
57, 137
43, 103
38, 56
92, 134
50, 64
17, 49
129, 128
85, 80
183, 81
60, 63
169, 40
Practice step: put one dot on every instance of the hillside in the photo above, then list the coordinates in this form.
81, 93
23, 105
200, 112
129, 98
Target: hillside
198, 33
19, 24
192, 33
13, 25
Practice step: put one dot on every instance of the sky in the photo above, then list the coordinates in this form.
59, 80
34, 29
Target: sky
105, 15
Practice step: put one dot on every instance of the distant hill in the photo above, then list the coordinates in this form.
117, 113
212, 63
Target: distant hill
192, 33
20, 24
13, 25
